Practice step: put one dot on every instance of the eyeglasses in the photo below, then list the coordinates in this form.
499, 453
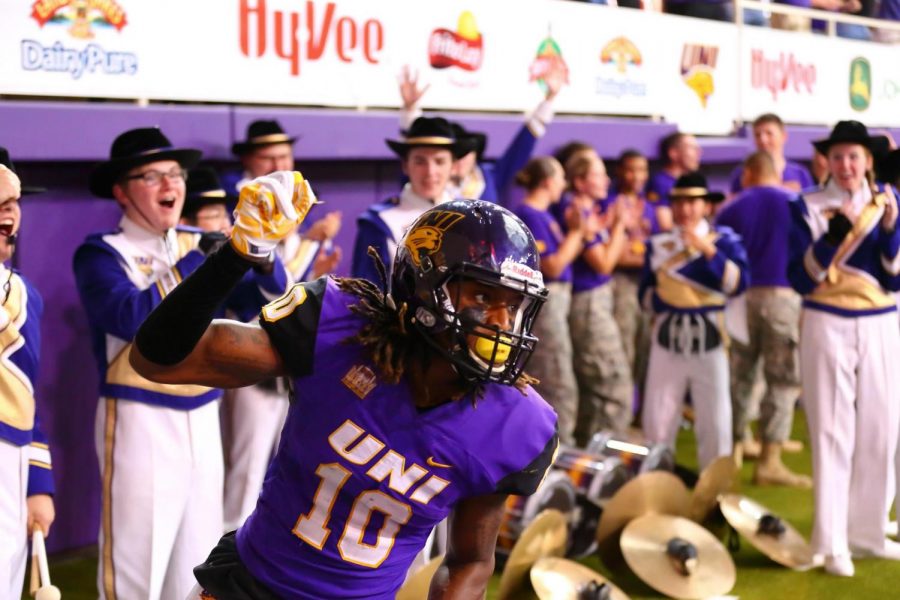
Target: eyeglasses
154, 178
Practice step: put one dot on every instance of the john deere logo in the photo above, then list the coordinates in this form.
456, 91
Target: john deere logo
860, 84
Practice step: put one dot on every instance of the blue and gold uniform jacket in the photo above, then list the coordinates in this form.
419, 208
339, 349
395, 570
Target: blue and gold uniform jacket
854, 279
682, 280
20, 350
361, 476
382, 225
122, 276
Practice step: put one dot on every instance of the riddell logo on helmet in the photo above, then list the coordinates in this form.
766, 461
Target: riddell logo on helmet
515, 270
462, 48
428, 235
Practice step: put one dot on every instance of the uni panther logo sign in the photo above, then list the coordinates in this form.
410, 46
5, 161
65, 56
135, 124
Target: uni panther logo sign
860, 84
427, 236
698, 62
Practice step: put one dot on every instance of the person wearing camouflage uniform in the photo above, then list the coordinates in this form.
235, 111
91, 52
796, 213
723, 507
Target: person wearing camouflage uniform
601, 368
551, 362
760, 215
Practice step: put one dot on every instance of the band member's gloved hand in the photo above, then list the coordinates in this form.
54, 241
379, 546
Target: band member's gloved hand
210, 241
838, 228
268, 210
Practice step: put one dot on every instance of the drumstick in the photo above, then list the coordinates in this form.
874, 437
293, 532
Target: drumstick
47, 591
35, 576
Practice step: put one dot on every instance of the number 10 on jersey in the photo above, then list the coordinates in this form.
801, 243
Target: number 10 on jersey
313, 528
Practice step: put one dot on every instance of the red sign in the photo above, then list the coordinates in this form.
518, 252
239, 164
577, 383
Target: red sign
463, 48
449, 49
352, 40
782, 74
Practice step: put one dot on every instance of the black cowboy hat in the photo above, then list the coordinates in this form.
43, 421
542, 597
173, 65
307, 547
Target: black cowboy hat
852, 132
6, 161
134, 148
204, 188
431, 132
476, 138
887, 169
693, 186
262, 133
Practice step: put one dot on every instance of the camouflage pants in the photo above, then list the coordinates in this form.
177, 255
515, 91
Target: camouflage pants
604, 379
552, 359
633, 323
773, 322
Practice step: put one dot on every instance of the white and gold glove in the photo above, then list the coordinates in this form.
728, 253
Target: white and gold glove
268, 210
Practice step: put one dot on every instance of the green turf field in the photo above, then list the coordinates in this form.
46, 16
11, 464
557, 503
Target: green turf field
757, 577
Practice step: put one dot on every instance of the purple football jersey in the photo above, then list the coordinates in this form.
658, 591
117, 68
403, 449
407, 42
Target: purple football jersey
361, 476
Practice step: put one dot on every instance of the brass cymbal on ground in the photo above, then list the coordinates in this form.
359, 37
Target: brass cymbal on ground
657, 492
562, 579
416, 587
677, 557
546, 536
719, 477
772, 536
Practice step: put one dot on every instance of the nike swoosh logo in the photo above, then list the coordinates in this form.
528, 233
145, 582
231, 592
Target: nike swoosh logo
433, 463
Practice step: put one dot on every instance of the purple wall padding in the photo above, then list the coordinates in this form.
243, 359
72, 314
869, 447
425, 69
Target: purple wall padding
343, 152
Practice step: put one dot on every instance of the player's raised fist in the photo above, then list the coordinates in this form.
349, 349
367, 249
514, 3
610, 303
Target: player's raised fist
269, 209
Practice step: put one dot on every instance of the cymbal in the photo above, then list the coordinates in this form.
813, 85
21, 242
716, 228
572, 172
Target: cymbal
653, 492
562, 579
646, 542
547, 535
719, 477
787, 548
416, 587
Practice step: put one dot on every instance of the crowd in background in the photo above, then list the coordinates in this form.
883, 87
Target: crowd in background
724, 10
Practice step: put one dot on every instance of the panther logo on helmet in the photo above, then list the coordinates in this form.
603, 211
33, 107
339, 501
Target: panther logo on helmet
428, 234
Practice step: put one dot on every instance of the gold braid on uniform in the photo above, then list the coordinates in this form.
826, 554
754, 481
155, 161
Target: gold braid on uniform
385, 335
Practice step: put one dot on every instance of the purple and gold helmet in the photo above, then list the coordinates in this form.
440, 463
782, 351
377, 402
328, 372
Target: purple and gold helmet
470, 240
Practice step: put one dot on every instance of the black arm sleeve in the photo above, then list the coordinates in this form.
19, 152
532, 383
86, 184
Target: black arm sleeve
526, 481
169, 334
292, 323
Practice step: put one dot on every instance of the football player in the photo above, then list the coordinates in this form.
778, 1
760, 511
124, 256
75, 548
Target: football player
410, 404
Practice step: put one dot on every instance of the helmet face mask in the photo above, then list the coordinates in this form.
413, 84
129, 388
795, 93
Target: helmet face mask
458, 264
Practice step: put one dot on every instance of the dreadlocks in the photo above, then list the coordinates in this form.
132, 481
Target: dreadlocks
391, 346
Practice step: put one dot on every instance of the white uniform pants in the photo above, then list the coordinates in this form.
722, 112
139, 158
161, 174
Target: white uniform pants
13, 519
252, 420
670, 376
161, 472
850, 391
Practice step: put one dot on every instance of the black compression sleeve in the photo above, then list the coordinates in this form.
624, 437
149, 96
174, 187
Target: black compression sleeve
173, 329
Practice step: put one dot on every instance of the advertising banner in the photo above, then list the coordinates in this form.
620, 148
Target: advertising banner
497, 56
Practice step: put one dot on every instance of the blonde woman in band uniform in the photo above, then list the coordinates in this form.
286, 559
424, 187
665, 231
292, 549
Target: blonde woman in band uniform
844, 260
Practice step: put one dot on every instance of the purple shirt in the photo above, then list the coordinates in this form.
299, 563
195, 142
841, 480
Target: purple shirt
761, 216
361, 476
792, 172
889, 9
547, 234
584, 277
658, 188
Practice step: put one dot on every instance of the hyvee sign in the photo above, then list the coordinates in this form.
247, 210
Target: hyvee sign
325, 27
